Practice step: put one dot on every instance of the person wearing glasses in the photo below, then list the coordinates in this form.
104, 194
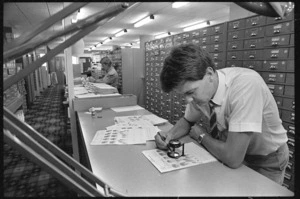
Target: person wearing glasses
111, 76
247, 128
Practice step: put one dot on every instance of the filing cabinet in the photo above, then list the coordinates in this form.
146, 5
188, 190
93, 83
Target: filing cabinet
279, 101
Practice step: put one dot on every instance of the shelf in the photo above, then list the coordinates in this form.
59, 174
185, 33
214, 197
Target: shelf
15, 104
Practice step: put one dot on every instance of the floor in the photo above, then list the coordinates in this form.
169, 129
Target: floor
23, 178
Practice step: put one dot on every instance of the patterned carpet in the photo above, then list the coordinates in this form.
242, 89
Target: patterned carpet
23, 178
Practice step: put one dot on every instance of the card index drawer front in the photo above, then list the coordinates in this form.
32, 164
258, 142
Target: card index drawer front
216, 29
255, 21
278, 100
236, 25
253, 54
281, 40
204, 32
235, 55
289, 127
253, 43
277, 29
280, 53
255, 65
273, 77
288, 116
236, 35
255, 32
271, 20
235, 45
205, 40
234, 64
217, 56
195, 33
289, 91
217, 48
288, 103
276, 89
206, 47
275, 65
290, 78
216, 39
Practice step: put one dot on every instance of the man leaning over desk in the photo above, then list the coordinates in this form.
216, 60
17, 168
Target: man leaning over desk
111, 76
248, 128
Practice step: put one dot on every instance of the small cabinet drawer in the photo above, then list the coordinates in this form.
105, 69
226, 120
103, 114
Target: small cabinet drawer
281, 53
253, 43
253, 54
204, 32
290, 66
219, 64
255, 21
234, 63
290, 78
216, 39
196, 41
236, 35
277, 41
282, 28
271, 20
195, 33
275, 65
255, 32
186, 35
205, 40
217, 56
278, 100
217, 48
273, 77
289, 91
235, 55
235, 45
287, 116
216, 29
255, 65
235, 25
206, 47
276, 89
288, 103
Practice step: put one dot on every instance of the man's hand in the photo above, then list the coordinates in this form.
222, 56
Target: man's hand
161, 141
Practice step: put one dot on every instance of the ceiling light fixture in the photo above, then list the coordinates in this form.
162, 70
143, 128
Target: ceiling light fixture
144, 21
197, 26
106, 40
162, 35
178, 4
122, 32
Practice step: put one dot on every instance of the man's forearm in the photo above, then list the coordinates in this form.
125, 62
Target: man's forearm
181, 128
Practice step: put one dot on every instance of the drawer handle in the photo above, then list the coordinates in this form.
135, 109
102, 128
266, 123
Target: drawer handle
274, 56
253, 34
216, 31
216, 40
274, 43
234, 37
233, 57
203, 42
235, 26
215, 58
234, 47
233, 65
291, 143
293, 107
276, 31
254, 23
273, 67
216, 49
251, 56
250, 66
277, 18
204, 33
272, 79
292, 132
252, 46
287, 176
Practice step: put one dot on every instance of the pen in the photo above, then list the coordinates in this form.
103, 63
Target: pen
162, 137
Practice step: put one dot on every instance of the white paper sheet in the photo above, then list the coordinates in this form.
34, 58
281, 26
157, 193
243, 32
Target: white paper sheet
194, 155
127, 108
155, 120
118, 137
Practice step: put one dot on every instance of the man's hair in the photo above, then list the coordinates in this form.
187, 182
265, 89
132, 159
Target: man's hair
186, 62
106, 60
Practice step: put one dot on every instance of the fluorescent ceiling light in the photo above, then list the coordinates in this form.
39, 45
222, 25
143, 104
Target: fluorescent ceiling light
162, 35
121, 33
144, 21
178, 4
93, 47
197, 26
107, 40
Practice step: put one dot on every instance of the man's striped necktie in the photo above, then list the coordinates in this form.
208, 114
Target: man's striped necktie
214, 132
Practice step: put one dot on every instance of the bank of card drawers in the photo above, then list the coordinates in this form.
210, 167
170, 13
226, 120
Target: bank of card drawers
255, 65
253, 43
279, 53
235, 55
236, 25
253, 54
270, 77
255, 32
255, 21
235, 45
277, 29
236, 35
281, 40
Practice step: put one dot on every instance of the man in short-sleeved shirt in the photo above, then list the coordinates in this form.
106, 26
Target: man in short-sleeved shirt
249, 129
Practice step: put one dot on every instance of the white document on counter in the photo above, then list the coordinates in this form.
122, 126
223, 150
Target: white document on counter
119, 137
127, 108
154, 119
194, 155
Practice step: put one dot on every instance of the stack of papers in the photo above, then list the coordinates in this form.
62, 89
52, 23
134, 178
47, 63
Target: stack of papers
155, 120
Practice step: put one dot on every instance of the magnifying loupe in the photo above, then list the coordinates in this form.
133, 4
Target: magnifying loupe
173, 145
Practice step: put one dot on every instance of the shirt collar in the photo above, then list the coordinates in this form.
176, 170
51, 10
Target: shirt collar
219, 95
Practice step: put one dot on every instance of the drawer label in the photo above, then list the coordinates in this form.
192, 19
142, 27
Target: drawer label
276, 38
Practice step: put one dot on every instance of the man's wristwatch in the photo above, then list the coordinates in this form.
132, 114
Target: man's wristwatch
200, 138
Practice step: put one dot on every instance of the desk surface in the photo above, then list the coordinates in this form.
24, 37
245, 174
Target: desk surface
127, 170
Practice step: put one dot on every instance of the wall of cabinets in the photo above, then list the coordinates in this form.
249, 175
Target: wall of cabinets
264, 44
